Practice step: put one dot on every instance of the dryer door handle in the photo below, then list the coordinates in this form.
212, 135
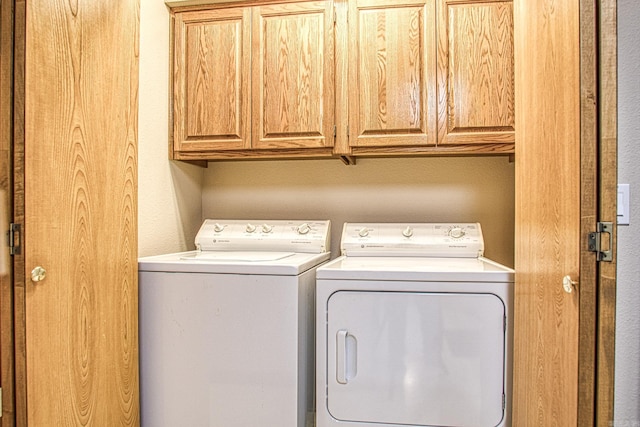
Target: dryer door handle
346, 356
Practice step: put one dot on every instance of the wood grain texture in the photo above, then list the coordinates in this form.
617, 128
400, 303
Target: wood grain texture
476, 89
20, 395
392, 73
341, 144
211, 79
293, 76
547, 232
588, 213
608, 126
7, 371
81, 212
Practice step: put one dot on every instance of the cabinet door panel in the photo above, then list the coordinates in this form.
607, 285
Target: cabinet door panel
475, 72
391, 73
211, 75
293, 103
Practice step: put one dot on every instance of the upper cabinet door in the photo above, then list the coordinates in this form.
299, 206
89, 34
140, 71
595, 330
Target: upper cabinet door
475, 72
211, 74
392, 73
293, 75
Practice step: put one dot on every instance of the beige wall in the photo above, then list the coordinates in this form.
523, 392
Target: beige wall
376, 190
169, 194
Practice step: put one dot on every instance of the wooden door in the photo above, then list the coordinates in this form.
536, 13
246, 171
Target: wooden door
548, 237
293, 76
211, 80
476, 88
392, 74
80, 214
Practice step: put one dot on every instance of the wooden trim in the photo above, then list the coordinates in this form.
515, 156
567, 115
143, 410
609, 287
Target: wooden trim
588, 213
341, 143
608, 156
6, 280
19, 280
188, 5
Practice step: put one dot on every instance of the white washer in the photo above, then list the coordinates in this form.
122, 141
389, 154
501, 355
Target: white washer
227, 331
413, 328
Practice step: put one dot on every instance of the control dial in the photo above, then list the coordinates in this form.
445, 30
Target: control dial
407, 232
364, 232
250, 228
303, 228
266, 228
218, 227
456, 232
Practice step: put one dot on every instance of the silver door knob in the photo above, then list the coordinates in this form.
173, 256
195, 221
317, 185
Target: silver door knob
568, 285
38, 274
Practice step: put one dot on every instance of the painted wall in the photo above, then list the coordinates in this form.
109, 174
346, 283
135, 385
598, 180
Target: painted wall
169, 193
627, 380
374, 190
175, 197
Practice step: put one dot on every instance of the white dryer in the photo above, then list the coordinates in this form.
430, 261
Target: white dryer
414, 328
227, 331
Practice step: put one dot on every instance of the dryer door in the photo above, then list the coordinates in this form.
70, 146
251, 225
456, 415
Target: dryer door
413, 358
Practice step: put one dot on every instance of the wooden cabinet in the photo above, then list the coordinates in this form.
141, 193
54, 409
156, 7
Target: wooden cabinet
476, 88
293, 74
430, 76
253, 81
350, 78
392, 73
211, 72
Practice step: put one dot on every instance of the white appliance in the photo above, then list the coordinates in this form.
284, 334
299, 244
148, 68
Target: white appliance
413, 328
227, 331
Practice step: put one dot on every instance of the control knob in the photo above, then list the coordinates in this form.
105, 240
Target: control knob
250, 228
266, 228
364, 232
456, 232
218, 227
303, 228
407, 232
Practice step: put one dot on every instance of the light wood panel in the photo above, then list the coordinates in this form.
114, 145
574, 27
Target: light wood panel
547, 212
392, 75
476, 90
293, 75
211, 80
80, 174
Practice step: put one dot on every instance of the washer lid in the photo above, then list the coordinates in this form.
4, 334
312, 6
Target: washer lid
451, 240
245, 263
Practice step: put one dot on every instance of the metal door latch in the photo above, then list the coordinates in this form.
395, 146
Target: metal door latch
596, 241
13, 237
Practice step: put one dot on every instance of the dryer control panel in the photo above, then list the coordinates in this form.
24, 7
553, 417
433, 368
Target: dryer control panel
264, 235
450, 240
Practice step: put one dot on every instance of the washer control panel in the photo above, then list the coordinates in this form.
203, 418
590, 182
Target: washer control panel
449, 240
264, 235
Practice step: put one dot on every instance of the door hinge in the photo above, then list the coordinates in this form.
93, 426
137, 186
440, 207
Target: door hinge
0, 401
14, 235
335, 131
596, 241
